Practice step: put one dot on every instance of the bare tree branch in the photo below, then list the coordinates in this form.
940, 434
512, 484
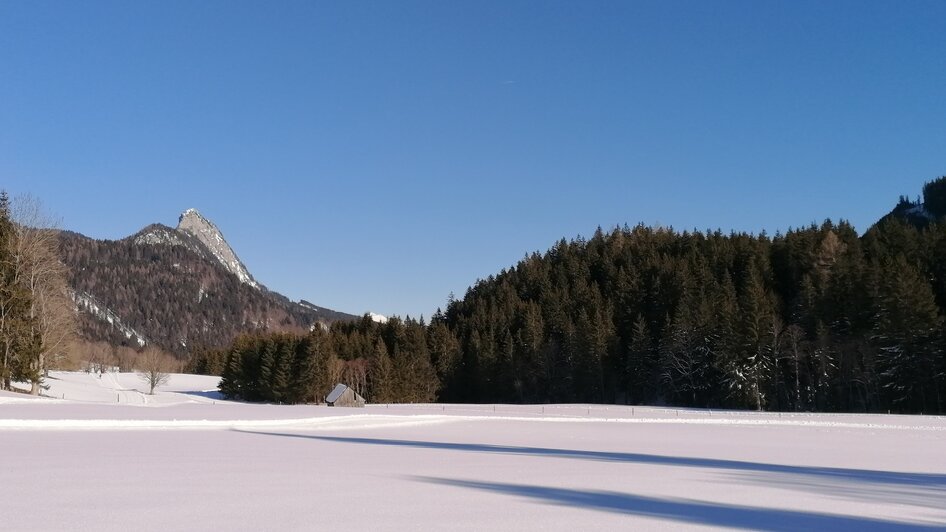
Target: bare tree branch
40, 270
153, 366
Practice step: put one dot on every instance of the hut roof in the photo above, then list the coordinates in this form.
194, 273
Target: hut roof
336, 393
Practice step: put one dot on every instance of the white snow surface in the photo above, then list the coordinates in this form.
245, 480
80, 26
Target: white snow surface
378, 318
108, 457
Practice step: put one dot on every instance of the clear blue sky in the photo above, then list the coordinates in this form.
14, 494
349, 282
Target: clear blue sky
379, 155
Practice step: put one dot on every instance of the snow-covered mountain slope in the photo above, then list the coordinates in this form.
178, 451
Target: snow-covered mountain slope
157, 234
88, 303
378, 318
193, 223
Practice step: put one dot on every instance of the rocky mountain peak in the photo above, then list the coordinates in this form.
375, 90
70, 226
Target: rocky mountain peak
196, 225
192, 219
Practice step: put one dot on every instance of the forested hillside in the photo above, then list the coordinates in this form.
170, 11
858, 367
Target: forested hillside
818, 318
813, 319
170, 292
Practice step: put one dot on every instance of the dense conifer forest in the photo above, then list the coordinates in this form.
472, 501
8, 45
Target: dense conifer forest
815, 319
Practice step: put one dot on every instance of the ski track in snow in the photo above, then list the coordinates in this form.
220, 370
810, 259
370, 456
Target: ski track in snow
357, 421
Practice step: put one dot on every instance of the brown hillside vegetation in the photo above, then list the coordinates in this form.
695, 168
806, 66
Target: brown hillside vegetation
171, 296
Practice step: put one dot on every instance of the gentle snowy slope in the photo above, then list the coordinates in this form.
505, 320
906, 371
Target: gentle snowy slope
123, 388
195, 462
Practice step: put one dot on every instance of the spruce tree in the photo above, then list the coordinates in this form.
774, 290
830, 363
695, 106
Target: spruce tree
380, 375
907, 332
280, 378
18, 340
232, 381
641, 363
934, 197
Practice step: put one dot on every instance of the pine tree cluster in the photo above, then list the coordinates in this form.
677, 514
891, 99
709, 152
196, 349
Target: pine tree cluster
815, 319
390, 362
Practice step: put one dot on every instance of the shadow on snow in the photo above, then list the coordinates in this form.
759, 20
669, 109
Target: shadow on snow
928, 486
208, 394
925, 480
685, 510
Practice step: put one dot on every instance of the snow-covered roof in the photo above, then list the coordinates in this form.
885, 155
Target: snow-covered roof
336, 393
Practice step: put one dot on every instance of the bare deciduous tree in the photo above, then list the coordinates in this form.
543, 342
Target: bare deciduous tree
42, 273
336, 370
796, 353
153, 366
355, 374
122, 356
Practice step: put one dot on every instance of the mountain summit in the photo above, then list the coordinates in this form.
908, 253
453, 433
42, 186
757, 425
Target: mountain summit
193, 223
175, 288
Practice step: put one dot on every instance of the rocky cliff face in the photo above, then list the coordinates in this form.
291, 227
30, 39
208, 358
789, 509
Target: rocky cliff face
192, 223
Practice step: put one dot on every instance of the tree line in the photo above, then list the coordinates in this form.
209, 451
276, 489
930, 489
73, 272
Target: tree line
389, 362
817, 318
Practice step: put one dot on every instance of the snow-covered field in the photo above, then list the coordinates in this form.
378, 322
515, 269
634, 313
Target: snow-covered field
100, 455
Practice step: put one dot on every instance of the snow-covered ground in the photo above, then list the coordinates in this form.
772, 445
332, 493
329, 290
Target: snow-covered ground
100, 455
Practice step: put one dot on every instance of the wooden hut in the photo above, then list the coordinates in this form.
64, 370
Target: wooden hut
342, 395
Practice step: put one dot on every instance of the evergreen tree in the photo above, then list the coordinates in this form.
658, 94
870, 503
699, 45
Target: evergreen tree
934, 197
380, 375
907, 333
232, 380
312, 381
19, 343
748, 366
641, 363
280, 379
415, 375
684, 357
